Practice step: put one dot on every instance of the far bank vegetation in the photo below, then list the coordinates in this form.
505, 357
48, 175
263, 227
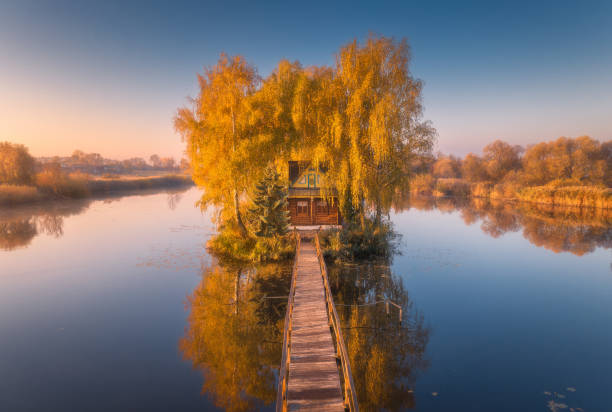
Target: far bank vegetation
24, 179
566, 171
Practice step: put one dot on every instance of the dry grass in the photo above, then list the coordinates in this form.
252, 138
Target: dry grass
138, 183
17, 194
580, 196
62, 185
558, 192
50, 185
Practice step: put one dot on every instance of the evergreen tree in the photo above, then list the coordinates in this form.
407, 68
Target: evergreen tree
269, 207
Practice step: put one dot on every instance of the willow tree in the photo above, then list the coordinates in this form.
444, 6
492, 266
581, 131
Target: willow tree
271, 118
364, 119
218, 131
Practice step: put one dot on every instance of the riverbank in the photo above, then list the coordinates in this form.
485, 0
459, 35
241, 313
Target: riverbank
83, 188
550, 194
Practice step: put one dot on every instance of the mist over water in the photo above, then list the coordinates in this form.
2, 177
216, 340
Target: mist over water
115, 304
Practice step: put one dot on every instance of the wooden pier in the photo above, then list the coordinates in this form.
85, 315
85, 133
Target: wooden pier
315, 371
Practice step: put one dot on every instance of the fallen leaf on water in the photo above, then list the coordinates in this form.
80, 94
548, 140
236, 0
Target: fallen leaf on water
570, 389
554, 406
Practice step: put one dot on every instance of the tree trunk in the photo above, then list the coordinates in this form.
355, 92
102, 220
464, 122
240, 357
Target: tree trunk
362, 213
239, 221
237, 292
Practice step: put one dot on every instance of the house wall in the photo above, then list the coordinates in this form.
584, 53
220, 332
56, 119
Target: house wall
316, 214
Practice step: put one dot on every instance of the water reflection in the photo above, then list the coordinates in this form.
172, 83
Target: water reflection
559, 229
387, 352
18, 226
21, 224
235, 332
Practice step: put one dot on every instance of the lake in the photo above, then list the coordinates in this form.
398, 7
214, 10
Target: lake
114, 304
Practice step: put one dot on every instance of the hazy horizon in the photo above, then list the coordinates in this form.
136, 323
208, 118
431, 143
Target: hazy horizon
108, 78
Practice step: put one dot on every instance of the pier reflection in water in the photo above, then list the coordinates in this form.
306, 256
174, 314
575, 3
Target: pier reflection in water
235, 326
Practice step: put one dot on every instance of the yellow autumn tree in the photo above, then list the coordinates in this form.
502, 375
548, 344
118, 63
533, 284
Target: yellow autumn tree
218, 132
16, 164
363, 121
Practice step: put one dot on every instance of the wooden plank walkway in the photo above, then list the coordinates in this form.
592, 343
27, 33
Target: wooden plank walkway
314, 381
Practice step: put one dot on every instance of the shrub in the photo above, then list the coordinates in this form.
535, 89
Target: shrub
452, 187
52, 180
16, 164
229, 243
422, 184
353, 243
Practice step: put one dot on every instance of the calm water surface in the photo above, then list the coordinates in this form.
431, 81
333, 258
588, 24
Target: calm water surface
115, 305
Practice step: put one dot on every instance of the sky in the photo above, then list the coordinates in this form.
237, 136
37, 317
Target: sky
108, 77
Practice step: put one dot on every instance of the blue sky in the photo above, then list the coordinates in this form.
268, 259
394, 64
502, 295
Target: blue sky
108, 76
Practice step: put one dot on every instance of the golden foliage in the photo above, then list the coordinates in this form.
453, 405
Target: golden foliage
16, 164
361, 119
234, 335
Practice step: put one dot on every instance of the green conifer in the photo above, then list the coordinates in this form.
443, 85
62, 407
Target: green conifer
269, 208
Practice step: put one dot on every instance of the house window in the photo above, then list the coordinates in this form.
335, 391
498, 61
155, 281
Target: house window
312, 180
302, 208
322, 207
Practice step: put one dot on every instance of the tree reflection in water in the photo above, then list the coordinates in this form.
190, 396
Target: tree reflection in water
386, 355
235, 332
559, 229
19, 225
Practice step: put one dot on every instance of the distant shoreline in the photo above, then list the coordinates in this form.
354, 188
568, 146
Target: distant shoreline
576, 196
16, 195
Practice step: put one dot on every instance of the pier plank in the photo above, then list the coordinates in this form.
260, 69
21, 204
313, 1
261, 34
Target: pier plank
314, 381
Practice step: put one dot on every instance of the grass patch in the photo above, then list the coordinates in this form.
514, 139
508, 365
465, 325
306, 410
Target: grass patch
18, 194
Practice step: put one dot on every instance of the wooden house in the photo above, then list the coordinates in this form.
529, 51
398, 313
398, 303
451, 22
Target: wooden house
308, 205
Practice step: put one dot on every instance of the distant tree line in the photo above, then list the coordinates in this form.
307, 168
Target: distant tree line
566, 169
581, 160
17, 166
94, 163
